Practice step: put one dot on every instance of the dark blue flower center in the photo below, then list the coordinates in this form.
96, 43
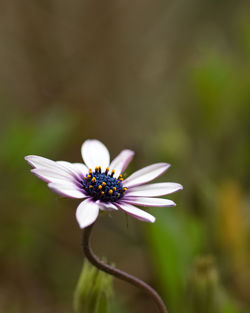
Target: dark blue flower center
103, 186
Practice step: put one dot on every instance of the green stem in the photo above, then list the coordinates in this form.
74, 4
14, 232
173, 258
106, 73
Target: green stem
118, 273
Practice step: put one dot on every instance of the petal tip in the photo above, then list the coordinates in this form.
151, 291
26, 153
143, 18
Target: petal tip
27, 158
81, 225
167, 165
36, 173
164, 164
130, 151
86, 213
178, 187
153, 220
95, 153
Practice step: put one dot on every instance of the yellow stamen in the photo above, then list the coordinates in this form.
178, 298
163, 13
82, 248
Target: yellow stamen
90, 186
96, 169
94, 180
114, 188
100, 187
124, 188
118, 194
89, 176
112, 173
110, 191
121, 179
102, 193
103, 183
90, 171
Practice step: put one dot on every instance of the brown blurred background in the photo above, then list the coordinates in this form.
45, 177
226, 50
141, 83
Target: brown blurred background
168, 79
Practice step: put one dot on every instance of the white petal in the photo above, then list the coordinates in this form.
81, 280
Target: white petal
146, 174
149, 201
106, 206
86, 213
40, 162
67, 190
78, 169
95, 153
120, 163
153, 190
43, 163
53, 175
81, 167
136, 212
69, 185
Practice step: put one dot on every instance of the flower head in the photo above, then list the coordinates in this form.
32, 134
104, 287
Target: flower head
102, 185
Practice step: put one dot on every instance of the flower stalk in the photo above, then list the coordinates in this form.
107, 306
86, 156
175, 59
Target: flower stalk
86, 242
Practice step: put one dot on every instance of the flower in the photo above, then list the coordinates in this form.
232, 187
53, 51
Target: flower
101, 184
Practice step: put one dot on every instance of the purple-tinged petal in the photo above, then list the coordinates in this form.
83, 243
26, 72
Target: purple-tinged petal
146, 174
53, 175
79, 169
86, 213
106, 206
95, 153
153, 190
143, 201
67, 190
42, 163
120, 163
69, 185
38, 161
136, 212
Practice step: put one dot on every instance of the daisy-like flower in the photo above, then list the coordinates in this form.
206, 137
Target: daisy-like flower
101, 184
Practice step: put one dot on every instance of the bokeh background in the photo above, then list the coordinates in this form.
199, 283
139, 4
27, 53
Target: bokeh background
168, 79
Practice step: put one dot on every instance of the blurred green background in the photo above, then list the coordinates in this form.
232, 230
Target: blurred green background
168, 79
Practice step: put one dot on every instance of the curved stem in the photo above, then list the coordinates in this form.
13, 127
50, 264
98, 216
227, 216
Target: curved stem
118, 273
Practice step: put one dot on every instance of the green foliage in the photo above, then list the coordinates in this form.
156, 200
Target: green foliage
175, 239
24, 136
94, 290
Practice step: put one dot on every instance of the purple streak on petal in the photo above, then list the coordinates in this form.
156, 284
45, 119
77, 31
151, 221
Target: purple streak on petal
146, 174
78, 169
136, 212
153, 190
69, 185
59, 182
106, 206
46, 179
150, 202
67, 192
120, 163
37, 161
41, 163
49, 175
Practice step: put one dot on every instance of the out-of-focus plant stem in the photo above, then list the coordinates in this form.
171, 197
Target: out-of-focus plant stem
118, 273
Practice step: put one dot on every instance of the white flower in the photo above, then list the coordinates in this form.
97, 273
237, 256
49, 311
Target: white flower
101, 184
